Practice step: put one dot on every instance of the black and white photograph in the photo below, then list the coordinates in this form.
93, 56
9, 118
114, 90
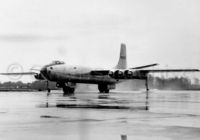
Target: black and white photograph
99, 70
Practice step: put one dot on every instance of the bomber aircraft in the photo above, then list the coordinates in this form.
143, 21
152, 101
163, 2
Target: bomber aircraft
67, 76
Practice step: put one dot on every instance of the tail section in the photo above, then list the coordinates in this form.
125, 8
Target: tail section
122, 63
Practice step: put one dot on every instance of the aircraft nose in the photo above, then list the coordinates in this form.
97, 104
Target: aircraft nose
43, 71
46, 72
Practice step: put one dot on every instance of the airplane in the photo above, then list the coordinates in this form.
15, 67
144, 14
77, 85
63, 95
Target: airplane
67, 76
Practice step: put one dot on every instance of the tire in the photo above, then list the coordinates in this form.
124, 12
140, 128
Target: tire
103, 88
49, 90
107, 91
68, 90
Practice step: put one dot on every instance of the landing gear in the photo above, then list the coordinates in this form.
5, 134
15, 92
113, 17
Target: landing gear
68, 88
48, 89
103, 88
147, 93
48, 93
147, 84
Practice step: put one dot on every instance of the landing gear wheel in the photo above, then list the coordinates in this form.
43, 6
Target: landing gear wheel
107, 91
101, 91
147, 84
68, 90
103, 88
49, 90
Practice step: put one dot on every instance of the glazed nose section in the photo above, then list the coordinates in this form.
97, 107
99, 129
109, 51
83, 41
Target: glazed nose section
46, 72
43, 71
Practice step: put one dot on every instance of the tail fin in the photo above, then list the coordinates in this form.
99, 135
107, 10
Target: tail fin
122, 64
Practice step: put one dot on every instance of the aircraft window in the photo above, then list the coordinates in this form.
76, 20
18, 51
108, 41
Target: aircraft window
57, 62
51, 68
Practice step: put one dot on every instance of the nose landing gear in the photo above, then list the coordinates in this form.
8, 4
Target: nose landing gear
47, 88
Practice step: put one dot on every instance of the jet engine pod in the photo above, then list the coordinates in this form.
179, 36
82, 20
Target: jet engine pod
128, 74
111, 74
38, 76
118, 74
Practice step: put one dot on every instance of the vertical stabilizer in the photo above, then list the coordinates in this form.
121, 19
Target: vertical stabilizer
122, 64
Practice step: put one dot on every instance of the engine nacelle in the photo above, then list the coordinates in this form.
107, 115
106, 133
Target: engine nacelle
128, 74
111, 74
118, 74
39, 76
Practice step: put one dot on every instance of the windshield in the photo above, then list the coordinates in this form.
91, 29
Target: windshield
56, 62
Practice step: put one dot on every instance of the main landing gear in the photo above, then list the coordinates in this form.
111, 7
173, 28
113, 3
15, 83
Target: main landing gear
103, 88
68, 88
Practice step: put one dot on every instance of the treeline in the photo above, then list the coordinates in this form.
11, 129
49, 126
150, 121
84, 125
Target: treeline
161, 83
36, 85
175, 83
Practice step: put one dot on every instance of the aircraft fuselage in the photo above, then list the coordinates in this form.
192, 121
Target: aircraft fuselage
77, 74
66, 76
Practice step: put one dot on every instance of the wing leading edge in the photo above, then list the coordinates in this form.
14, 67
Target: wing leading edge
166, 70
139, 72
145, 66
19, 73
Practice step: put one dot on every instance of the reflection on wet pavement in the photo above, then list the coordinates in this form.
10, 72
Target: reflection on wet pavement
92, 116
98, 101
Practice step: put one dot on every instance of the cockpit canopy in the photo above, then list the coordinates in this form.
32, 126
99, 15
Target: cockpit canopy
55, 62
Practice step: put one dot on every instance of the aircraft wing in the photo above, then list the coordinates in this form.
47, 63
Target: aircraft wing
19, 73
165, 70
145, 71
38, 76
145, 66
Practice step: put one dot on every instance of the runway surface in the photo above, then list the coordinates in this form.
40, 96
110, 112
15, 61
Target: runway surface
171, 115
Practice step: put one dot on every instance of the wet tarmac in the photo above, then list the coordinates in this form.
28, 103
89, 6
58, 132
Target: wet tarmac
127, 115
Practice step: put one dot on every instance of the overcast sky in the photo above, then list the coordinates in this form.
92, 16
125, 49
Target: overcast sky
89, 32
